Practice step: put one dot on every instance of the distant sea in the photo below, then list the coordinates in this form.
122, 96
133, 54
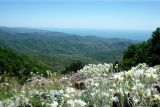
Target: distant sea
126, 34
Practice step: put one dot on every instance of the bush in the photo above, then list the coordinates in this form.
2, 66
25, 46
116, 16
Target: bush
146, 52
74, 67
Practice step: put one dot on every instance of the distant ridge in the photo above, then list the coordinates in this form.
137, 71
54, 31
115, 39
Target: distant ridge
26, 30
58, 49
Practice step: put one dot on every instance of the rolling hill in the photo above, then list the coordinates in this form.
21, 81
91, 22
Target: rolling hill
58, 49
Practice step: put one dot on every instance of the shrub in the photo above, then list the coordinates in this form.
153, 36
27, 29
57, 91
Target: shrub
74, 67
146, 52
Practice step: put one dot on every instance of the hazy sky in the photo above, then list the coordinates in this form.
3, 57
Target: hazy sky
96, 14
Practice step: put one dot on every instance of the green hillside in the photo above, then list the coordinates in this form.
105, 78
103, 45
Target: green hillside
16, 64
58, 49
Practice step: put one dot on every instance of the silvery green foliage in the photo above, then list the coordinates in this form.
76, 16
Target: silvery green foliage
103, 88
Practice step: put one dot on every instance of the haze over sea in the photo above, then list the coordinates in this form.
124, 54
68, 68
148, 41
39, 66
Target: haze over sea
141, 35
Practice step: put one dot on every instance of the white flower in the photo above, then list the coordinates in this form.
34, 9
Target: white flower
121, 79
23, 92
115, 99
71, 102
54, 104
7, 84
151, 75
80, 102
154, 76
92, 94
66, 95
105, 94
116, 76
31, 73
140, 85
64, 78
157, 97
126, 92
75, 102
61, 91
104, 74
129, 73
136, 100
43, 103
96, 84
139, 72
148, 93
70, 90
111, 90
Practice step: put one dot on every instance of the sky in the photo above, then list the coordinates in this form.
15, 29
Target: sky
85, 14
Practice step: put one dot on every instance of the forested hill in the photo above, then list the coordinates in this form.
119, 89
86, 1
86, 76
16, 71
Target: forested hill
16, 64
58, 49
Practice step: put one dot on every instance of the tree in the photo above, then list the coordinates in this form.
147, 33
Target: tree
155, 47
146, 52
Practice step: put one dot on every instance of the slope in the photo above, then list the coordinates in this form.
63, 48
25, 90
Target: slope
16, 64
58, 49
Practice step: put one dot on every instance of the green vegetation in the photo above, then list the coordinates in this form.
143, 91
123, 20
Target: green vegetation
58, 50
146, 52
36, 101
102, 85
74, 67
16, 64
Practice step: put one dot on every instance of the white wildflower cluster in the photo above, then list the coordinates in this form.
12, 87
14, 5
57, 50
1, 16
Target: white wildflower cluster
92, 70
53, 98
136, 86
76, 103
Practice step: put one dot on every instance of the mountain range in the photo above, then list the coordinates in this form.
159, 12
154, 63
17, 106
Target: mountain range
57, 49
